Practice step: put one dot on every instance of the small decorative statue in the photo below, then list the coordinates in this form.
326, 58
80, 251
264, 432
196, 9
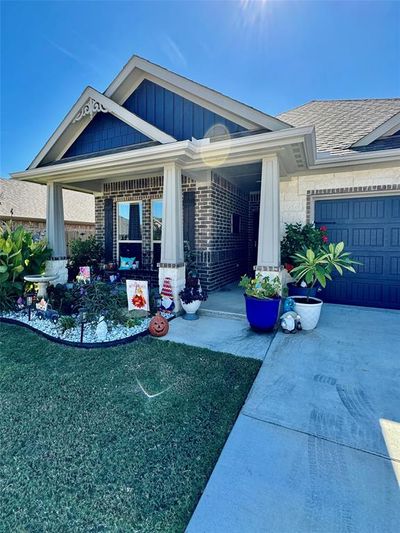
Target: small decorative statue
101, 329
290, 322
45, 311
167, 298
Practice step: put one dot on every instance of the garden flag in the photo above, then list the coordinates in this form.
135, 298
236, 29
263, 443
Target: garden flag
84, 274
138, 295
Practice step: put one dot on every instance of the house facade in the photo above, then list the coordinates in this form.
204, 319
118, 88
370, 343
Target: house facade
169, 160
24, 203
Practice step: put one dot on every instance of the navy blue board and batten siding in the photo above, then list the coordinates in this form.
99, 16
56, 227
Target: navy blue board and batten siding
370, 229
162, 108
173, 114
104, 132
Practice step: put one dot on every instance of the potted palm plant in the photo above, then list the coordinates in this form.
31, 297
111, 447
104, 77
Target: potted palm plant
317, 267
262, 296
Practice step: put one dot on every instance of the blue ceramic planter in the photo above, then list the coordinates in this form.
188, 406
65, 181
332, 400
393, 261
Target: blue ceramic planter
262, 314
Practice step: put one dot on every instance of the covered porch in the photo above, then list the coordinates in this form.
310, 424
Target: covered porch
141, 210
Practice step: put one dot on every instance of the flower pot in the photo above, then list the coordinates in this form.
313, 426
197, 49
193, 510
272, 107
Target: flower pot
191, 310
295, 290
309, 312
262, 314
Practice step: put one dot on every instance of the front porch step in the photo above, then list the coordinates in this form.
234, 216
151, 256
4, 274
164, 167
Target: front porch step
221, 314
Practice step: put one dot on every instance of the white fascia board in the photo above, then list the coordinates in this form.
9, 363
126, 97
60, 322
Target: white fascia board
387, 128
193, 89
380, 156
76, 128
189, 154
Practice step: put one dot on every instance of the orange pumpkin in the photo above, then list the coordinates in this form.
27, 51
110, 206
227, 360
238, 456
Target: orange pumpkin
158, 326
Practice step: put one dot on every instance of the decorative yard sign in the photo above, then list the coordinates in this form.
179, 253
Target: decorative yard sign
84, 274
138, 295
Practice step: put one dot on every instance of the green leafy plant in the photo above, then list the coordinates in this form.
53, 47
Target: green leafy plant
261, 287
67, 322
298, 237
87, 252
19, 256
313, 267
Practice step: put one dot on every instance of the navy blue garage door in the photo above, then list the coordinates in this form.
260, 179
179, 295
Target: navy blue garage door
370, 228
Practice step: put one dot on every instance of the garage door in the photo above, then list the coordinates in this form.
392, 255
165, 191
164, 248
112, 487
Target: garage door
370, 228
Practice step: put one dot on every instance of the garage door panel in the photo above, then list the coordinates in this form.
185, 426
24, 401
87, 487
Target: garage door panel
372, 233
368, 208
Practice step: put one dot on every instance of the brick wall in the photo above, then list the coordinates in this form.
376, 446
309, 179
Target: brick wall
141, 189
222, 255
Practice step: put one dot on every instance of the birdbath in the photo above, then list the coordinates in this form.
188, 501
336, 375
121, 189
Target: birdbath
42, 282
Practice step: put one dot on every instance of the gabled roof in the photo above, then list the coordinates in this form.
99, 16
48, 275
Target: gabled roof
28, 201
130, 77
341, 124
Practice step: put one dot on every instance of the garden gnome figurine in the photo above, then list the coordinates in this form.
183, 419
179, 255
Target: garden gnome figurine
290, 322
167, 298
101, 329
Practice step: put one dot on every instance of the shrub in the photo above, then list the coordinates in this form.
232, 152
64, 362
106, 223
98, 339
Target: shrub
19, 256
298, 238
85, 253
66, 322
261, 287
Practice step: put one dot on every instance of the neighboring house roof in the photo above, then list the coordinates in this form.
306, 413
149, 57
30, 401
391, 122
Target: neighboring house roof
340, 124
28, 201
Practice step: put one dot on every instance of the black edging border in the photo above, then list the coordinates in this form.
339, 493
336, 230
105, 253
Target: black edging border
81, 345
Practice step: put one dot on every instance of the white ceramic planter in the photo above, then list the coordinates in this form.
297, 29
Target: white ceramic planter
191, 309
309, 313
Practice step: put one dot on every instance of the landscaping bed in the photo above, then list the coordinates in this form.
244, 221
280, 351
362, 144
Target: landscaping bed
87, 447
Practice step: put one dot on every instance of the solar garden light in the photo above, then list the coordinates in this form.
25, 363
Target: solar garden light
29, 302
82, 320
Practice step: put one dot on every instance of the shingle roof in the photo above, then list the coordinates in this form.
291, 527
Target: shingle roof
340, 123
28, 200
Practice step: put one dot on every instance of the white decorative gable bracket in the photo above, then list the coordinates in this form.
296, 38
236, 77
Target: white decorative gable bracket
90, 108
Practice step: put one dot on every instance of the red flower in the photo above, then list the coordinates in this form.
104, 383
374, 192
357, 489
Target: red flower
289, 267
323, 228
324, 238
138, 301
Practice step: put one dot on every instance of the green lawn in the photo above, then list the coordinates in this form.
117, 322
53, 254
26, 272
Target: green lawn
83, 449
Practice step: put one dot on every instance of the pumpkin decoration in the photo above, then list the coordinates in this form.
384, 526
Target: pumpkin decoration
158, 326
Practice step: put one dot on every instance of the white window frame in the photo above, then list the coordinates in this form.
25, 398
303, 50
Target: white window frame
129, 202
151, 216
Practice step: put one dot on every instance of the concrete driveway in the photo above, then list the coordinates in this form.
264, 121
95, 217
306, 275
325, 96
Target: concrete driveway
316, 447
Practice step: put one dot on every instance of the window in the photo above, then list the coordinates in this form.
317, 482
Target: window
129, 230
236, 222
156, 229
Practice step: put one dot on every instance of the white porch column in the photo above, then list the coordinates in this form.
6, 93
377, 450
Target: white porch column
172, 257
55, 232
268, 254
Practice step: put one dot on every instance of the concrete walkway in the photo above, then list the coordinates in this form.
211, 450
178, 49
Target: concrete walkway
220, 334
316, 447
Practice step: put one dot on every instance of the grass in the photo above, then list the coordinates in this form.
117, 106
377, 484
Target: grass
82, 447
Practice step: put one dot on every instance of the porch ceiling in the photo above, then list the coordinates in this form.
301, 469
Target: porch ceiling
247, 177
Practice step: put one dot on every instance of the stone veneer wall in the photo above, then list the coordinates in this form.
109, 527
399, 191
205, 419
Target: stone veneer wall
298, 194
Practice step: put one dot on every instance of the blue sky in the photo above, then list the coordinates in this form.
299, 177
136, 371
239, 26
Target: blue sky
271, 55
